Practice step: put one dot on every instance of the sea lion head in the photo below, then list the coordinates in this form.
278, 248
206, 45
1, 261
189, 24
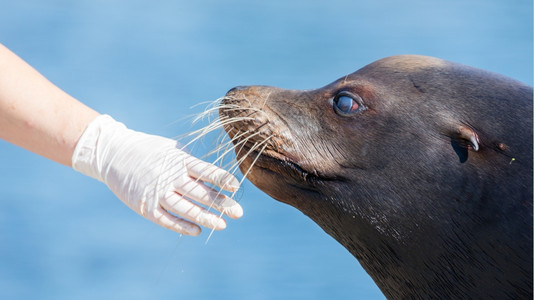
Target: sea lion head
395, 159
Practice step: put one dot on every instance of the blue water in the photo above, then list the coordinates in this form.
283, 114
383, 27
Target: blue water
65, 236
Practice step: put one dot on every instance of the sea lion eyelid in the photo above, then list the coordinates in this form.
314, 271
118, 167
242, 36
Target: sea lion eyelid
347, 104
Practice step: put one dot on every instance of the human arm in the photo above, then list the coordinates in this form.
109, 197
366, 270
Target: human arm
37, 115
148, 173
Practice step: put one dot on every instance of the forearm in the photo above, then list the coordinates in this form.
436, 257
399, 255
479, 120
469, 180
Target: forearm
148, 173
37, 115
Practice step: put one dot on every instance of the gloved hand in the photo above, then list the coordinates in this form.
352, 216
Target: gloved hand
154, 177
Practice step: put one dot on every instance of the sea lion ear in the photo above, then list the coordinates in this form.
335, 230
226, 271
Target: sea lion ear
464, 138
470, 136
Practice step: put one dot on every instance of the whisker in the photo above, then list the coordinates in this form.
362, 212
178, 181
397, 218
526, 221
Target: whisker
229, 149
213, 110
213, 102
216, 105
245, 175
203, 129
200, 133
255, 159
252, 149
241, 144
229, 142
222, 145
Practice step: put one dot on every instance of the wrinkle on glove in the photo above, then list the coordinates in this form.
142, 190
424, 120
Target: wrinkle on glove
155, 178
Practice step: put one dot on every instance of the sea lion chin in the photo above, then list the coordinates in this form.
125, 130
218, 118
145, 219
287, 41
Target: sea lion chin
420, 167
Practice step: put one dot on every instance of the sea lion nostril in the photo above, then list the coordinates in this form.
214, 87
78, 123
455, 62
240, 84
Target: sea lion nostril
236, 89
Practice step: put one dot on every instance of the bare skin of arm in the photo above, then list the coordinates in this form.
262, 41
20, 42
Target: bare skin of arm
37, 115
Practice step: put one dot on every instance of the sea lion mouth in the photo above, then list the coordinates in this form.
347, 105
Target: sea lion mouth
272, 161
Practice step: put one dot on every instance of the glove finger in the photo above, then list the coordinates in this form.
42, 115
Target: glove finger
178, 205
170, 221
203, 194
207, 172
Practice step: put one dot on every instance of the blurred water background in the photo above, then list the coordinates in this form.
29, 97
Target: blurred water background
65, 236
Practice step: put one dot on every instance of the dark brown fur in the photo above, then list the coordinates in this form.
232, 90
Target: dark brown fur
429, 187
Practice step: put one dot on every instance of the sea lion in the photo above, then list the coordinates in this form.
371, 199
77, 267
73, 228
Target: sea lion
420, 167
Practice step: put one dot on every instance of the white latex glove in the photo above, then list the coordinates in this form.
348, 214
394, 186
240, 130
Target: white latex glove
155, 178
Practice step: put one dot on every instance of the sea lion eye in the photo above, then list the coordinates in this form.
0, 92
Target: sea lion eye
346, 104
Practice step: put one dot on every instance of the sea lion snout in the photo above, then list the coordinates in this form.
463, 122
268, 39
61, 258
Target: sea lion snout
236, 89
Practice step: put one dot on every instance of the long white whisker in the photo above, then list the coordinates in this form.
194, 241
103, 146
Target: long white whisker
250, 168
235, 166
213, 110
232, 146
212, 127
253, 148
214, 124
241, 142
228, 146
255, 159
216, 106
